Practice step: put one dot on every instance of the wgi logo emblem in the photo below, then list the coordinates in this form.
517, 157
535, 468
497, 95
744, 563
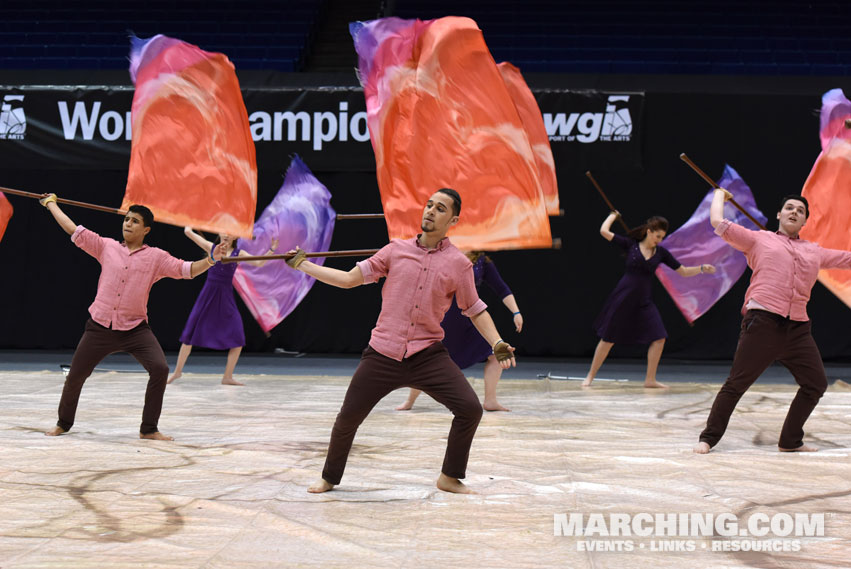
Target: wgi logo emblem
13, 121
615, 125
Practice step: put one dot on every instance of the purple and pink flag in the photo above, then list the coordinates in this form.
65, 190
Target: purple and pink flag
192, 158
5, 214
300, 214
696, 243
828, 190
441, 114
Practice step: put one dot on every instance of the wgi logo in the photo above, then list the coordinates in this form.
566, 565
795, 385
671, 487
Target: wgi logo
615, 125
13, 120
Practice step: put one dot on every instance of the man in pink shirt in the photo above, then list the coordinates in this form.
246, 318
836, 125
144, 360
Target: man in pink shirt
119, 313
775, 326
405, 350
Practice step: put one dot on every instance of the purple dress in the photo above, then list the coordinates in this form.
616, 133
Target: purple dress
629, 315
215, 321
463, 342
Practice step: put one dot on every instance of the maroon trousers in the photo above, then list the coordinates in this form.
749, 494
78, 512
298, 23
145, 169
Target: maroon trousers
432, 371
97, 343
765, 338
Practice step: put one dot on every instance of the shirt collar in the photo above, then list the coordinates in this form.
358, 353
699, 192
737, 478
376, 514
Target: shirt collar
786, 236
144, 246
441, 245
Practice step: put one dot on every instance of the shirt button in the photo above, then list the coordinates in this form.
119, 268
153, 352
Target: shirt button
412, 323
425, 269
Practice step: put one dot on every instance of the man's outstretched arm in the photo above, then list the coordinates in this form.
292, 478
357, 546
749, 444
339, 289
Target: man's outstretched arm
327, 275
49, 201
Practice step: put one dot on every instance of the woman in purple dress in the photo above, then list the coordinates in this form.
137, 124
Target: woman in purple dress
629, 315
464, 343
215, 322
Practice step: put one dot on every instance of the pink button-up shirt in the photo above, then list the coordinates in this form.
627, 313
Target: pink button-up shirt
417, 293
126, 278
784, 269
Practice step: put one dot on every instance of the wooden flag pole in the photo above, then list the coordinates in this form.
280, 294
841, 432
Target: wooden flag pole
341, 216
344, 216
712, 183
350, 253
606, 199
285, 256
63, 201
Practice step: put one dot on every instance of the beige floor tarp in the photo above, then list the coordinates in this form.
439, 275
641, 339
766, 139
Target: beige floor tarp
229, 492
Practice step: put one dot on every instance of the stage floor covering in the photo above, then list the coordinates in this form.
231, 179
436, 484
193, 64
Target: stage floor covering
230, 491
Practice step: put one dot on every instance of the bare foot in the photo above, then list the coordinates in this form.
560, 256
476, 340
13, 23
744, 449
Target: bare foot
320, 487
173, 377
449, 484
155, 436
587, 382
802, 448
230, 381
702, 448
655, 384
494, 406
55, 432
406, 406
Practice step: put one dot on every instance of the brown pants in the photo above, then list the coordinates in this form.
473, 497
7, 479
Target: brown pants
432, 371
765, 338
97, 343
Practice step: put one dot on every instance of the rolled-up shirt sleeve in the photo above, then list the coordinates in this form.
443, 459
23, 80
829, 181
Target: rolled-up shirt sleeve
173, 268
466, 295
737, 236
88, 241
376, 266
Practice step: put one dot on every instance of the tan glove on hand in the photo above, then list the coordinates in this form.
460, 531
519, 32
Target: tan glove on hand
298, 258
727, 195
501, 351
47, 199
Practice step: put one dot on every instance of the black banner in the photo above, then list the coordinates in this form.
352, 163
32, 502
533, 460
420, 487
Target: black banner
590, 130
89, 127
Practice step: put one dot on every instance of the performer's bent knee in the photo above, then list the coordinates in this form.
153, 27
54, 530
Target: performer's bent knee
158, 371
471, 410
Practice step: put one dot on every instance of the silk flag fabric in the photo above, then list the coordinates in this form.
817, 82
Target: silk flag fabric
192, 159
5, 214
300, 214
696, 243
533, 122
440, 115
828, 190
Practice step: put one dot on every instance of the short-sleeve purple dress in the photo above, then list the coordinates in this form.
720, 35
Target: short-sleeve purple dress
629, 315
215, 321
463, 342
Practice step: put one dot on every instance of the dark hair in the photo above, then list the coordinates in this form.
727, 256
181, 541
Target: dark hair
456, 206
800, 199
474, 256
146, 214
655, 223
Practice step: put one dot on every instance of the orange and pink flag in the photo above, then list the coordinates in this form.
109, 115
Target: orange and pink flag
441, 114
192, 159
828, 190
533, 122
5, 214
